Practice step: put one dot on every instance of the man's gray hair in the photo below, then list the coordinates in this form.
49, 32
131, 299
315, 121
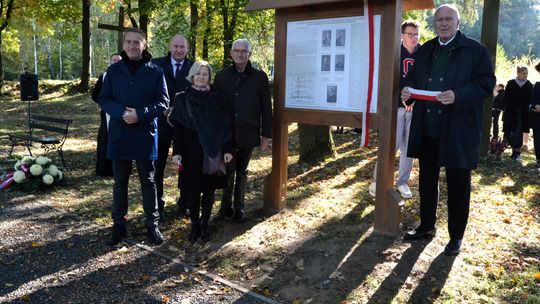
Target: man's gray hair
196, 67
242, 41
450, 6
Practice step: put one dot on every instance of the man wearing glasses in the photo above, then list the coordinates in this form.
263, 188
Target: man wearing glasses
446, 132
409, 45
247, 96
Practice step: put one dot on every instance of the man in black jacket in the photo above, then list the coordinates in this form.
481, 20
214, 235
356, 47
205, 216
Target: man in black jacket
176, 68
247, 96
446, 132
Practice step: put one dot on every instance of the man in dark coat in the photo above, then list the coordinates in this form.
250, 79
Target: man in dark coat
134, 94
176, 68
247, 97
446, 132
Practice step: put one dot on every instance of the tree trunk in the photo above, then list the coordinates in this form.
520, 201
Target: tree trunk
3, 26
60, 65
34, 40
194, 24
207, 30
85, 73
49, 62
1, 66
145, 7
316, 143
490, 25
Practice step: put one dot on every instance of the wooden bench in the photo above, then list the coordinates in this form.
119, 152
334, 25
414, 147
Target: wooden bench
48, 133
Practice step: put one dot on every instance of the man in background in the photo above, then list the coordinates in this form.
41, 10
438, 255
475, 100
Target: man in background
247, 96
409, 44
175, 67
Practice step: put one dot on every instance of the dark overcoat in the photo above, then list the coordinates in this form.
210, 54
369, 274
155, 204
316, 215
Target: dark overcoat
186, 143
470, 76
534, 117
248, 103
165, 130
146, 91
516, 106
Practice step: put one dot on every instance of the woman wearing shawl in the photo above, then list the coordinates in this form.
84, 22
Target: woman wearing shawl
516, 106
201, 146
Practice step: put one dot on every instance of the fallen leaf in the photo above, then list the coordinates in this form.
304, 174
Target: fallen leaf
8, 285
300, 265
144, 278
507, 221
297, 301
165, 299
35, 244
537, 275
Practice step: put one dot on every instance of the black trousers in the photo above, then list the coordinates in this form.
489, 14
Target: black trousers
122, 171
458, 183
536, 139
237, 179
495, 114
164, 145
200, 209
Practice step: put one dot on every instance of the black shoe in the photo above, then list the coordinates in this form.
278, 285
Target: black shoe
419, 233
452, 248
205, 233
239, 216
162, 218
118, 234
194, 234
154, 236
222, 214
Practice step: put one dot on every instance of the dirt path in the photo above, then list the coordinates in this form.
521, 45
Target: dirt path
49, 256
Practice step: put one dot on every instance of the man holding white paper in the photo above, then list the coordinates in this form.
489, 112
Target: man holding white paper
446, 132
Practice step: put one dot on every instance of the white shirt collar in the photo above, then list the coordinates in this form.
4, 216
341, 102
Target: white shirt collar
447, 42
174, 62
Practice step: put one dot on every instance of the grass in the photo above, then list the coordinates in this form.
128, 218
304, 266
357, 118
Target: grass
321, 248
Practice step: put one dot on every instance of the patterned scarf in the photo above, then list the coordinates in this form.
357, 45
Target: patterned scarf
204, 112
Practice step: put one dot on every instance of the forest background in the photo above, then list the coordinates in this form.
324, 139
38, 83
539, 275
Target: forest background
44, 37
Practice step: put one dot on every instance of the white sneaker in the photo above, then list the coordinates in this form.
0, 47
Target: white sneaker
405, 191
372, 189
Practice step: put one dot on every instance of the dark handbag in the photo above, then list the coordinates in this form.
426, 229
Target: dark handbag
214, 165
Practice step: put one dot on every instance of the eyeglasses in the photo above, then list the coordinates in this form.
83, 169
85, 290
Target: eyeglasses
444, 19
411, 35
236, 51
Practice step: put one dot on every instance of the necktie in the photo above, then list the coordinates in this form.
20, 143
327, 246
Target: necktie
177, 73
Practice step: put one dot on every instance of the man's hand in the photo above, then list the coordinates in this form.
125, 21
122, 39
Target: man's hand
177, 159
405, 94
227, 157
167, 112
446, 97
537, 108
408, 108
130, 116
265, 141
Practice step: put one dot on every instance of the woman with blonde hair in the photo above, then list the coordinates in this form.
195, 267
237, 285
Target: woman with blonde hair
201, 146
516, 104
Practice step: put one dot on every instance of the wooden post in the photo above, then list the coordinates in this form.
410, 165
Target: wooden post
388, 202
119, 28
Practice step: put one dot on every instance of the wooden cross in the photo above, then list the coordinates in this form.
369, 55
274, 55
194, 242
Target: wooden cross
119, 28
